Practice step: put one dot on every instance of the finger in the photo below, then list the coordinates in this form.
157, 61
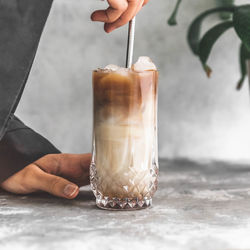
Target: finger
107, 16
50, 163
69, 161
117, 7
54, 185
74, 167
131, 11
145, 2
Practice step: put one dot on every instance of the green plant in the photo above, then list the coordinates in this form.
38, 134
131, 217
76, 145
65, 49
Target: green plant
225, 3
238, 18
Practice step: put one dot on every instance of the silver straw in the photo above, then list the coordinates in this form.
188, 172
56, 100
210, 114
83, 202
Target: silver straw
130, 44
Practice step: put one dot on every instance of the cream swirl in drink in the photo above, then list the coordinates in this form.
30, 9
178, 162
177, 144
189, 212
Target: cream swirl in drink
124, 167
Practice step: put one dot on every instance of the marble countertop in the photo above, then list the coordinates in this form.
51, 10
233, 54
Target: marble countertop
199, 205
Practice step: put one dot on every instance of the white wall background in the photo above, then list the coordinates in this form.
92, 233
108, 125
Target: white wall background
198, 118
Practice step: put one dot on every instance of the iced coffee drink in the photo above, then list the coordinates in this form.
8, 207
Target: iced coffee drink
124, 167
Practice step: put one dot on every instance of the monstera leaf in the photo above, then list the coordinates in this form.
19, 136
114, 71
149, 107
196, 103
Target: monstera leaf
202, 47
207, 42
244, 56
172, 19
195, 27
220, 3
225, 3
241, 19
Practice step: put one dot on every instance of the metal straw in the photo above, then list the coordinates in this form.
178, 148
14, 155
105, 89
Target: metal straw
130, 44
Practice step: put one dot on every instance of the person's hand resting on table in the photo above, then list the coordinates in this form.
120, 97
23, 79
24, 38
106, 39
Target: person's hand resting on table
119, 13
58, 174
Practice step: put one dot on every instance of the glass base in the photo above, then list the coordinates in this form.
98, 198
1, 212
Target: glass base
125, 204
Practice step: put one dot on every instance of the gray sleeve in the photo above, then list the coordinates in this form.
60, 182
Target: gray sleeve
21, 26
21, 146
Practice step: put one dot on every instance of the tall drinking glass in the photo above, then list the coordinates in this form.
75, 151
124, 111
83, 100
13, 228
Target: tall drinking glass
124, 168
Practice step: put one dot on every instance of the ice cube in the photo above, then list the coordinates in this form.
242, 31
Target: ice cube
112, 67
144, 63
122, 71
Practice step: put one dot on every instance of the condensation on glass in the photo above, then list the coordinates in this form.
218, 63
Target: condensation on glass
124, 168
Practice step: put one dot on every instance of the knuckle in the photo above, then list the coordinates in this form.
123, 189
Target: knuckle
45, 157
28, 175
56, 163
50, 163
28, 172
51, 156
110, 18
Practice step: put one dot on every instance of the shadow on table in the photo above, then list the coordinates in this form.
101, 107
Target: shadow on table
41, 197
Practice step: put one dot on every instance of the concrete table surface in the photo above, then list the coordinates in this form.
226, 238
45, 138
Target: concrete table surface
199, 205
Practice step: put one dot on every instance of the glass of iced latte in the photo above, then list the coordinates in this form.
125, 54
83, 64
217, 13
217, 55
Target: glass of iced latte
124, 168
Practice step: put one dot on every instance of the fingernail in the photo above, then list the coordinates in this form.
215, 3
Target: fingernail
70, 190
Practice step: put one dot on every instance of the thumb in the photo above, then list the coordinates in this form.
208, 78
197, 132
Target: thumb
55, 185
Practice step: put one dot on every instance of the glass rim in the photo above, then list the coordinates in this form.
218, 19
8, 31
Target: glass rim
117, 72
